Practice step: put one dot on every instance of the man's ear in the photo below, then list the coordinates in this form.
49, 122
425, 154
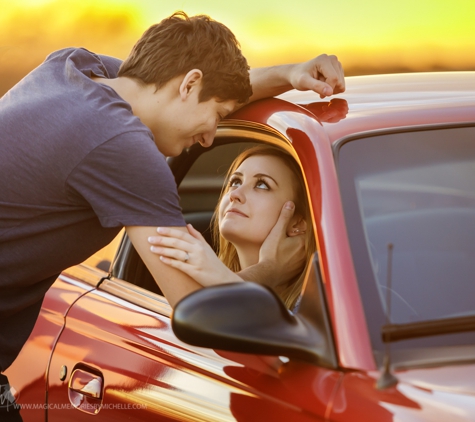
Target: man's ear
297, 226
191, 82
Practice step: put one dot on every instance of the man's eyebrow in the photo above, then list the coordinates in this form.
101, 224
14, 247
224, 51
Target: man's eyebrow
266, 175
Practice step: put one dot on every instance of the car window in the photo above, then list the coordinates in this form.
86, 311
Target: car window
415, 191
199, 192
204, 173
200, 189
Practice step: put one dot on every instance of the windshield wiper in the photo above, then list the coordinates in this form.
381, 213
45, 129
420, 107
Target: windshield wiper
395, 332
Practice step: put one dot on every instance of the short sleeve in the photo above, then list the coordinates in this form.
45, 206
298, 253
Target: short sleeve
127, 182
111, 64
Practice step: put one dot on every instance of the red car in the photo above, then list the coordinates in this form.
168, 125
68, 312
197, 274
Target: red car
386, 328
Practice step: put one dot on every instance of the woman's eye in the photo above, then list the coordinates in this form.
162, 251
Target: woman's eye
262, 185
234, 183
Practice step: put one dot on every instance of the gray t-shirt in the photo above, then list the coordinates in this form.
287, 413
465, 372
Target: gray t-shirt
75, 166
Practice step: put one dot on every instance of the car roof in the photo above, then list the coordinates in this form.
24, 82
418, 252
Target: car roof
398, 100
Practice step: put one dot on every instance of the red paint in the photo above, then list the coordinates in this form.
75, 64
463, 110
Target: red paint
140, 361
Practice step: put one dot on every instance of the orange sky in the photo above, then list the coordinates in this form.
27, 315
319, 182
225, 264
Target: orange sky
368, 35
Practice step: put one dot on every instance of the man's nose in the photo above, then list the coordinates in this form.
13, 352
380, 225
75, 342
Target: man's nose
208, 137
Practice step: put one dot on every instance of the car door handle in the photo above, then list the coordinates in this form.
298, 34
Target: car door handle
85, 390
86, 383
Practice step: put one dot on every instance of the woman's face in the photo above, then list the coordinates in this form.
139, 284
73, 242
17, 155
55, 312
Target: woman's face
256, 193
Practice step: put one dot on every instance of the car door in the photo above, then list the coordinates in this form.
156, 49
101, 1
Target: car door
27, 374
123, 362
118, 358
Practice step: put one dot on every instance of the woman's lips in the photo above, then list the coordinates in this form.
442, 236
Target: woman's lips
235, 211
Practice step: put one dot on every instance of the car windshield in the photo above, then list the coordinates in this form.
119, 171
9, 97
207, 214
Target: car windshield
415, 191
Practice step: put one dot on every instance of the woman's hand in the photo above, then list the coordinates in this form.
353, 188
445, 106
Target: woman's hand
287, 254
281, 258
190, 253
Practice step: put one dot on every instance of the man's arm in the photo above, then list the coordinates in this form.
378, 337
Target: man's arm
323, 74
173, 283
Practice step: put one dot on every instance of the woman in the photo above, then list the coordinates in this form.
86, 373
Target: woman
259, 182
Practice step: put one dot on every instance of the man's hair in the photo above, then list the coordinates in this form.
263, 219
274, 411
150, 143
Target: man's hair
179, 44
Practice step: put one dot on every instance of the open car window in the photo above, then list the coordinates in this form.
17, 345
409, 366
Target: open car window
200, 174
200, 189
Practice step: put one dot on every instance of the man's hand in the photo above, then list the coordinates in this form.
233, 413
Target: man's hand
281, 257
323, 74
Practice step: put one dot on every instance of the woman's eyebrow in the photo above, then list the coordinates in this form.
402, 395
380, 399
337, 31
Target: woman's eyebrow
258, 175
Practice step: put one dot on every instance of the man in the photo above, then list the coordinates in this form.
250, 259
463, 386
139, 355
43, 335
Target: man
83, 145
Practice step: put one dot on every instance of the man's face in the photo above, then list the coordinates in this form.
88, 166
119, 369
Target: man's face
183, 121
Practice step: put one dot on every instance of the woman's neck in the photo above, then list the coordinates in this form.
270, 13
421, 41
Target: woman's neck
248, 255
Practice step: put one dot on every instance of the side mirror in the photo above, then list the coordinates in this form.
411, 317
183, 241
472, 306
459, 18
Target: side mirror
250, 318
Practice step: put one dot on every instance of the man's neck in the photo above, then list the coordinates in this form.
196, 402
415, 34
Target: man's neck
127, 88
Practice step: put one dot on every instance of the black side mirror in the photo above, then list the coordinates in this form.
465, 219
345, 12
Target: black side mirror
250, 318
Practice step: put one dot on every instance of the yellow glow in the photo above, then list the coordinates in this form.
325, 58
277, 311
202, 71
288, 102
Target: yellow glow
367, 35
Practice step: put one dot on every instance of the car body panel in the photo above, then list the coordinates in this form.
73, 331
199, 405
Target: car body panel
139, 360
400, 100
314, 151
30, 380
376, 103
119, 337
423, 394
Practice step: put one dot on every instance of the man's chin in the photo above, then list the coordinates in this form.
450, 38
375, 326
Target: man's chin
175, 152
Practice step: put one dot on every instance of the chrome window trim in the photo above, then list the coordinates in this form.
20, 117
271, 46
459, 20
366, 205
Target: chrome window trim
136, 295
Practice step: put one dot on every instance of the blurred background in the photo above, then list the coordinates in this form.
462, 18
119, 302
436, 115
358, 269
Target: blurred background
368, 36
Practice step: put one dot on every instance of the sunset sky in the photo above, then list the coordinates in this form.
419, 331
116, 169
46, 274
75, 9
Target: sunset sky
367, 35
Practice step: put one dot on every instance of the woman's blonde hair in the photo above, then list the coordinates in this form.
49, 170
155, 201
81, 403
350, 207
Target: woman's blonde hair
226, 250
